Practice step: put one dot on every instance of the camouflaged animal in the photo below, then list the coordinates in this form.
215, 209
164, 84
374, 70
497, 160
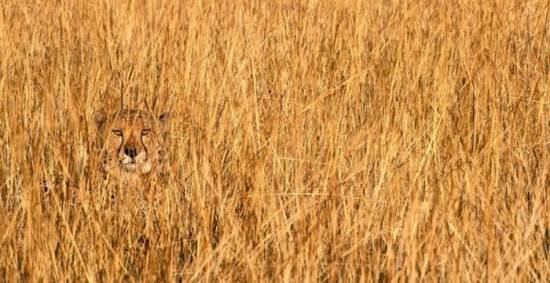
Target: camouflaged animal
132, 144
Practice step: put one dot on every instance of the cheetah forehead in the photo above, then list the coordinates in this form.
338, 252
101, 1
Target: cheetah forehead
132, 117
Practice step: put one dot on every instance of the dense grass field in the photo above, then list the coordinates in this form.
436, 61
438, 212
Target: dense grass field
333, 141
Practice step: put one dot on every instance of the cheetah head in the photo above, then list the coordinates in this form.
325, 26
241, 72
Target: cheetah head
132, 142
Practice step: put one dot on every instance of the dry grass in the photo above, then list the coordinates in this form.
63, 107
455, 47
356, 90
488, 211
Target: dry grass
322, 141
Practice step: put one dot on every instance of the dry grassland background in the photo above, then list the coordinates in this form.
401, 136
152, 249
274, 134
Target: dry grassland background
310, 140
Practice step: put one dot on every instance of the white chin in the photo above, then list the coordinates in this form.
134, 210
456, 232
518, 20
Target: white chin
130, 167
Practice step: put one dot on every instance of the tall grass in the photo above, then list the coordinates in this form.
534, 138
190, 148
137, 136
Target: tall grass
310, 141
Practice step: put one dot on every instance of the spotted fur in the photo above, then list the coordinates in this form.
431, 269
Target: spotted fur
132, 144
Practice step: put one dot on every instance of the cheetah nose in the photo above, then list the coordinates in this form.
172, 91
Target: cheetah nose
130, 151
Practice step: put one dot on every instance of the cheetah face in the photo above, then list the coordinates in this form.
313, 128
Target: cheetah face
132, 142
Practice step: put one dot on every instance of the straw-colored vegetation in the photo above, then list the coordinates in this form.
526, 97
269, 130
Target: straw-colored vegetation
310, 140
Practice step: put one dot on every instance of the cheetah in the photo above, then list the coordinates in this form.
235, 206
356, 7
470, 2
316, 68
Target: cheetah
132, 144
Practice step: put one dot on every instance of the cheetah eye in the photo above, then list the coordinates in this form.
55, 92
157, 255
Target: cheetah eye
117, 132
145, 132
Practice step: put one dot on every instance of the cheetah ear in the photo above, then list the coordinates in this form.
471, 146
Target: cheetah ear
164, 120
100, 117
